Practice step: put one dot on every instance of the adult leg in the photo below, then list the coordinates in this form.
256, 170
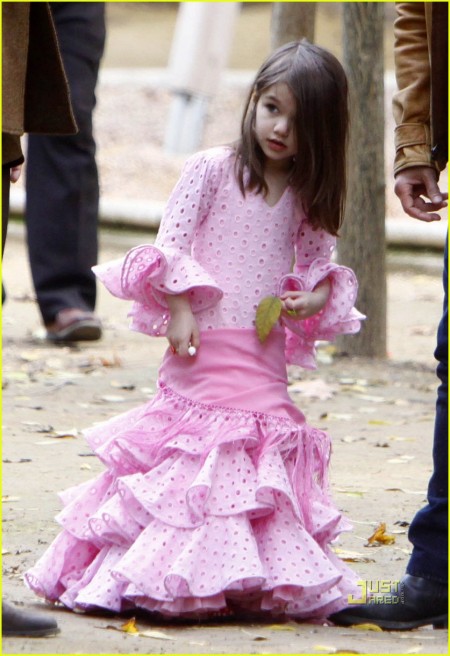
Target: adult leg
62, 180
429, 529
421, 597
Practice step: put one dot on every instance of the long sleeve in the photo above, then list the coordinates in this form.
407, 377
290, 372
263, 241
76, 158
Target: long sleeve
148, 272
313, 264
411, 103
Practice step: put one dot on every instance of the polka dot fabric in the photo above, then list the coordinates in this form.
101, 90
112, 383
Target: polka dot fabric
214, 498
228, 252
201, 480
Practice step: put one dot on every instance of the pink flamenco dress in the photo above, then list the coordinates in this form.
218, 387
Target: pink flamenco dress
214, 495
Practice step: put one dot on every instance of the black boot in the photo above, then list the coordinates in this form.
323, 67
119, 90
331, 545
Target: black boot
17, 622
412, 603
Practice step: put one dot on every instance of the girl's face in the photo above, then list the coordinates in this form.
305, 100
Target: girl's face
275, 125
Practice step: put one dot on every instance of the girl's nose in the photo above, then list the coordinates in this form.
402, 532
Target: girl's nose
282, 126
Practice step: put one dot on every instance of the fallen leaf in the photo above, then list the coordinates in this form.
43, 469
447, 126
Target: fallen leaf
317, 389
282, 627
399, 489
255, 637
350, 493
371, 398
402, 460
125, 386
352, 556
367, 627
65, 434
380, 536
130, 626
341, 416
156, 635
329, 649
379, 422
36, 427
352, 438
111, 398
267, 314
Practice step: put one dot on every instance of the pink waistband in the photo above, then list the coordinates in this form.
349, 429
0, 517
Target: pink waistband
233, 369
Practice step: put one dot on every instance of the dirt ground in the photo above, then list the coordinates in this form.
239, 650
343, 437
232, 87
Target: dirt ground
379, 414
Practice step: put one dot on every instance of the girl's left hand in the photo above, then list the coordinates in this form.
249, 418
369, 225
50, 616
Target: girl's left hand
302, 305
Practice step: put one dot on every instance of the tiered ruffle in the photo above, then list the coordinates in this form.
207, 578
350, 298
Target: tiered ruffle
200, 506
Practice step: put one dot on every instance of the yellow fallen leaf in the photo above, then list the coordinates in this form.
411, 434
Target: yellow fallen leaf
329, 649
367, 627
156, 635
130, 626
380, 535
282, 627
267, 314
350, 493
65, 434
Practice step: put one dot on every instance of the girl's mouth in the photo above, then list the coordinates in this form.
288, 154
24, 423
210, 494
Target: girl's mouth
276, 145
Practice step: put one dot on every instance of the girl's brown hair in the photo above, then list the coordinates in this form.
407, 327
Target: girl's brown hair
319, 85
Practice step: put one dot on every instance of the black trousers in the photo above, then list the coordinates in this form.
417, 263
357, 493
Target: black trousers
61, 177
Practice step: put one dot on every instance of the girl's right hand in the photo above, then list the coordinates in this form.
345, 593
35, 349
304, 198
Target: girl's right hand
182, 330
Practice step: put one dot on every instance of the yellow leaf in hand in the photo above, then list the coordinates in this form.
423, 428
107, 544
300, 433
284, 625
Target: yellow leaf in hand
267, 314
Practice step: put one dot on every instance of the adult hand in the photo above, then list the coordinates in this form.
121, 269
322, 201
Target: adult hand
413, 183
14, 173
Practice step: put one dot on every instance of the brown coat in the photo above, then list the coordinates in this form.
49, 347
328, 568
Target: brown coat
35, 93
421, 66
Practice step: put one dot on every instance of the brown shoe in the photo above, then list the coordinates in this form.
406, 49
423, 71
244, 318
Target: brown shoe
74, 325
17, 622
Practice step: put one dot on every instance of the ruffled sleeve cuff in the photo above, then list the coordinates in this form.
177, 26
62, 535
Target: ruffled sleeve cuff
146, 274
338, 317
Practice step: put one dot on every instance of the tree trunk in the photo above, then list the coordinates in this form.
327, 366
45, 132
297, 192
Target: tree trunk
292, 21
362, 243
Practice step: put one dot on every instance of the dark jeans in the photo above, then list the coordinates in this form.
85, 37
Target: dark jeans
429, 529
62, 180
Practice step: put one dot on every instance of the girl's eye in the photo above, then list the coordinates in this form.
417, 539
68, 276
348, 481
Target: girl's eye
271, 107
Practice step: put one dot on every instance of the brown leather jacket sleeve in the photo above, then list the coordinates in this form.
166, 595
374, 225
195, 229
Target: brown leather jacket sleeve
411, 104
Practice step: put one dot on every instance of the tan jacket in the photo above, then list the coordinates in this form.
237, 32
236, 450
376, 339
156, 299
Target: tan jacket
420, 105
35, 93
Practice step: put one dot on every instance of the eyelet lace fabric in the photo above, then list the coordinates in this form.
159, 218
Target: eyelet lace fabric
214, 495
228, 252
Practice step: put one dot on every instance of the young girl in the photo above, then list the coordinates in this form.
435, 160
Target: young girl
215, 499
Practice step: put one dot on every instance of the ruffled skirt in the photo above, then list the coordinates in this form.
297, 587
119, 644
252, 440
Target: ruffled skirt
214, 497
